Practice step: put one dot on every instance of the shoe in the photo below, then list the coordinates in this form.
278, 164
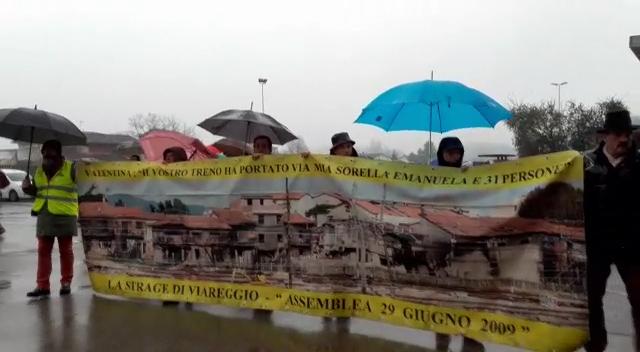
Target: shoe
39, 292
65, 290
170, 303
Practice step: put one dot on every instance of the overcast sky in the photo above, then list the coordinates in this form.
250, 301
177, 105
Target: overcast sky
100, 62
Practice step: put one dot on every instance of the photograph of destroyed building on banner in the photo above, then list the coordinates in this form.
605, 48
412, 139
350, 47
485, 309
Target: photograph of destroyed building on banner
328, 242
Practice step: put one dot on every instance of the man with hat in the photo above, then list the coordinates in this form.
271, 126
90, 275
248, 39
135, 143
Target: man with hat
342, 145
611, 214
56, 205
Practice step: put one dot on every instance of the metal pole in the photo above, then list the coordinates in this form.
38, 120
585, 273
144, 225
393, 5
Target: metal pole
262, 82
430, 123
30, 144
559, 85
287, 233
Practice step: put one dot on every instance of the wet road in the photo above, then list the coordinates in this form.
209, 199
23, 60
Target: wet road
85, 321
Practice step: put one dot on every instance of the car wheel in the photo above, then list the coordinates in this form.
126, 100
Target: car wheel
13, 196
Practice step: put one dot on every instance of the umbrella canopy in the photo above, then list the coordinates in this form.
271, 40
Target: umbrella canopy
231, 147
245, 125
437, 106
154, 144
38, 126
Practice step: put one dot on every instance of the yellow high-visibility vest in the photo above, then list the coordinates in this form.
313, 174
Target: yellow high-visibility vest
60, 193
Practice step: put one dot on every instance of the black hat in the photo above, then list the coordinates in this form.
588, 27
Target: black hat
617, 121
341, 138
52, 144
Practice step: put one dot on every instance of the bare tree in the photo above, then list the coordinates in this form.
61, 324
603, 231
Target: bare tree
141, 124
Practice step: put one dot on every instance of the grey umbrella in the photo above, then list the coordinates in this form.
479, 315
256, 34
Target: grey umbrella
38, 126
245, 125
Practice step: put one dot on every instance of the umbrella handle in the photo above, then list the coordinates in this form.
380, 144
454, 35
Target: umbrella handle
246, 137
30, 144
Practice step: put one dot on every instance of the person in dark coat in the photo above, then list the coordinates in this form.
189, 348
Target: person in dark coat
342, 145
4, 182
450, 154
612, 180
174, 155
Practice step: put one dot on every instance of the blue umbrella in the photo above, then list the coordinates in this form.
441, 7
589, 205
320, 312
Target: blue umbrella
434, 106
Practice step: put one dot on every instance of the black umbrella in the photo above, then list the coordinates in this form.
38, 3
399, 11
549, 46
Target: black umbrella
245, 125
38, 126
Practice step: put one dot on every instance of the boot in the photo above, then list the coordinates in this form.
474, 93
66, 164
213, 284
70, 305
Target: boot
39, 292
65, 290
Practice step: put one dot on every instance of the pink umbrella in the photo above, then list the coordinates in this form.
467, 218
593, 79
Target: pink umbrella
154, 143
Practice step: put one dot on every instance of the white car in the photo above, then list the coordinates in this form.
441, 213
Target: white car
13, 191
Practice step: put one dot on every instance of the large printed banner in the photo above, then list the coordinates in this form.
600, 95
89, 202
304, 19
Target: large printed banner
494, 252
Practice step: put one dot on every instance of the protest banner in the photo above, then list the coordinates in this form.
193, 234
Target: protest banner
494, 252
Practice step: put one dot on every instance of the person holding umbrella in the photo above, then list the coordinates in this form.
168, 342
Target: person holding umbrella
342, 145
56, 206
56, 200
174, 155
450, 154
262, 145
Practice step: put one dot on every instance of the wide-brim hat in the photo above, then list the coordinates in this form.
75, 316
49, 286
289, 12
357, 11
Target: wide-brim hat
617, 121
340, 139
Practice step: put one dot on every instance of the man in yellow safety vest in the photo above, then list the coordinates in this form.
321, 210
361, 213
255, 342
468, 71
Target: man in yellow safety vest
56, 205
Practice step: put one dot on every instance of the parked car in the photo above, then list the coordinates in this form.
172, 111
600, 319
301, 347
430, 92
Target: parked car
13, 191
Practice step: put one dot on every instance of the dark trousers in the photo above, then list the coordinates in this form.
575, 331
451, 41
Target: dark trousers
600, 257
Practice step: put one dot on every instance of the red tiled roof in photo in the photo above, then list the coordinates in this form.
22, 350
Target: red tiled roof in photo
482, 227
234, 216
106, 210
297, 219
376, 209
337, 196
410, 211
193, 222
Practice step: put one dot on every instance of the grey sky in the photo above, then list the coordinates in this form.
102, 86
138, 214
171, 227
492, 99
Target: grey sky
101, 62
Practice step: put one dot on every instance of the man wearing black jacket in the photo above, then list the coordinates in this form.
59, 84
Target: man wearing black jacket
612, 215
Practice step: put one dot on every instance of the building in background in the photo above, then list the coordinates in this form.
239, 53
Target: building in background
100, 146
8, 158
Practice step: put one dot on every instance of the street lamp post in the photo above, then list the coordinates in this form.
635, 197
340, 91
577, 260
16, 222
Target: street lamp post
559, 85
262, 82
